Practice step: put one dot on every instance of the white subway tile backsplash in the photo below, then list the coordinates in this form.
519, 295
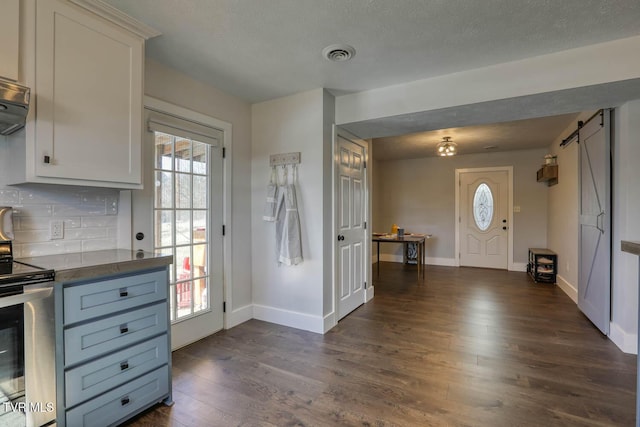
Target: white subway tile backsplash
50, 248
9, 197
100, 221
99, 244
89, 216
86, 233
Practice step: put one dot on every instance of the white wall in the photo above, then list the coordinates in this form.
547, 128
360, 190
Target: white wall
169, 85
626, 225
419, 195
291, 295
562, 216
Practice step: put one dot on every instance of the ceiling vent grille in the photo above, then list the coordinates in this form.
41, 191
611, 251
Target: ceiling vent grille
338, 52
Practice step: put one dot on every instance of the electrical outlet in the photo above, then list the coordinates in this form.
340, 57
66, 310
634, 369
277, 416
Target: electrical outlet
56, 229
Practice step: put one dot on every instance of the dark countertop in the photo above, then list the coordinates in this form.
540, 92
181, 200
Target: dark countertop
631, 247
87, 265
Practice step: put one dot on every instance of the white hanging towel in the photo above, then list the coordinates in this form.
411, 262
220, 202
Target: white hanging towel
288, 239
271, 206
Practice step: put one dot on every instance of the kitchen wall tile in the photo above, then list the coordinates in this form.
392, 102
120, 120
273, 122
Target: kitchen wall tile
50, 248
32, 236
99, 244
89, 216
86, 233
100, 221
32, 210
9, 197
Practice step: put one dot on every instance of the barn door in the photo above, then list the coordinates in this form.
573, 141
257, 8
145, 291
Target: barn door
594, 278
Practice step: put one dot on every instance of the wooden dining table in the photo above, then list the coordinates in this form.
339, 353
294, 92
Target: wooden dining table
417, 239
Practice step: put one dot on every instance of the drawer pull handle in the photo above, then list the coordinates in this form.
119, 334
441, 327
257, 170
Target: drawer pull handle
124, 401
124, 329
124, 293
124, 365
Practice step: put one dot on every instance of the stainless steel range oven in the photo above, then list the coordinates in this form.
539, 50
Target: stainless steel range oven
27, 343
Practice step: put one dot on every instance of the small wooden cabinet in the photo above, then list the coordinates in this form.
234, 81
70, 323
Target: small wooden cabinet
543, 265
113, 351
85, 124
548, 174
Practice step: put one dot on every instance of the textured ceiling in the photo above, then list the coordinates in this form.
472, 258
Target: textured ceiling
264, 49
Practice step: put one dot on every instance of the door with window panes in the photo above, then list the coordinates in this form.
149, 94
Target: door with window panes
181, 208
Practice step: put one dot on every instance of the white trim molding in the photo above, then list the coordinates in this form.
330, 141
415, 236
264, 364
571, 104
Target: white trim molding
567, 288
118, 17
289, 318
238, 316
625, 341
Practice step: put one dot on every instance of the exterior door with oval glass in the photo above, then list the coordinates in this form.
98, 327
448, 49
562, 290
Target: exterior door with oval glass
484, 208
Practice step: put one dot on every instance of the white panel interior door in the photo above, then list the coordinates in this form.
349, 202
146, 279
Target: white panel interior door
594, 277
350, 218
484, 208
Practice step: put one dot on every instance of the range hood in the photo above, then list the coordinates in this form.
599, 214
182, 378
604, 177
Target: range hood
14, 106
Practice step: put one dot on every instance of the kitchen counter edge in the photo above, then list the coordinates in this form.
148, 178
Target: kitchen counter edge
88, 265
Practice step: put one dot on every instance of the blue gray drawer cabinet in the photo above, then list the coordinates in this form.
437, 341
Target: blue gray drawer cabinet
113, 352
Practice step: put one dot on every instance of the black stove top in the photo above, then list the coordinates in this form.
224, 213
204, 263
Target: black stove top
15, 274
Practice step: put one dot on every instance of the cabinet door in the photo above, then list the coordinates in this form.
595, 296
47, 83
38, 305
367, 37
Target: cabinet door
9, 35
89, 89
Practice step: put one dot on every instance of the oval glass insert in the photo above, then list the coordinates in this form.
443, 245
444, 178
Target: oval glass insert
483, 207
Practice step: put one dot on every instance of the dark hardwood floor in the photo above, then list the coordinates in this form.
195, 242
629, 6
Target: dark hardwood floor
465, 347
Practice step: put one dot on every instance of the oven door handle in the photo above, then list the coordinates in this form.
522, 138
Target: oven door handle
28, 296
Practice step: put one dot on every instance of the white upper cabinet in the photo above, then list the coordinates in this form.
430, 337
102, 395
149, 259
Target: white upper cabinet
86, 82
9, 37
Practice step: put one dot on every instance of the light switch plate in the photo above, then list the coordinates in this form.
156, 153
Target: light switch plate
516, 209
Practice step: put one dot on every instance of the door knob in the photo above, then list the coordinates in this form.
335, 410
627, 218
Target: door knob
340, 237
504, 220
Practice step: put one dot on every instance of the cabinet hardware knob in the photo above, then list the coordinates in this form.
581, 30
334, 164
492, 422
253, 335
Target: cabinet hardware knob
124, 329
124, 365
124, 293
124, 401
504, 228
139, 236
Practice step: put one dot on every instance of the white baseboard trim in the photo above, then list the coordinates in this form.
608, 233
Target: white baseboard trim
447, 262
567, 288
293, 319
368, 294
238, 316
329, 322
518, 266
625, 341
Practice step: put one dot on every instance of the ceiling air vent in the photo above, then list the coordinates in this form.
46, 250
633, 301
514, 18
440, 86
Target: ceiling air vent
338, 52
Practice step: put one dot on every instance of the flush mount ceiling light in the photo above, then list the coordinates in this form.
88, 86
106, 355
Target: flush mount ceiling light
338, 52
447, 147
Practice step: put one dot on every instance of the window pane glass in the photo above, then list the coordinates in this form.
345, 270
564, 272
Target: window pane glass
183, 227
164, 190
199, 226
163, 229
183, 191
483, 207
181, 218
183, 155
164, 147
200, 157
200, 192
